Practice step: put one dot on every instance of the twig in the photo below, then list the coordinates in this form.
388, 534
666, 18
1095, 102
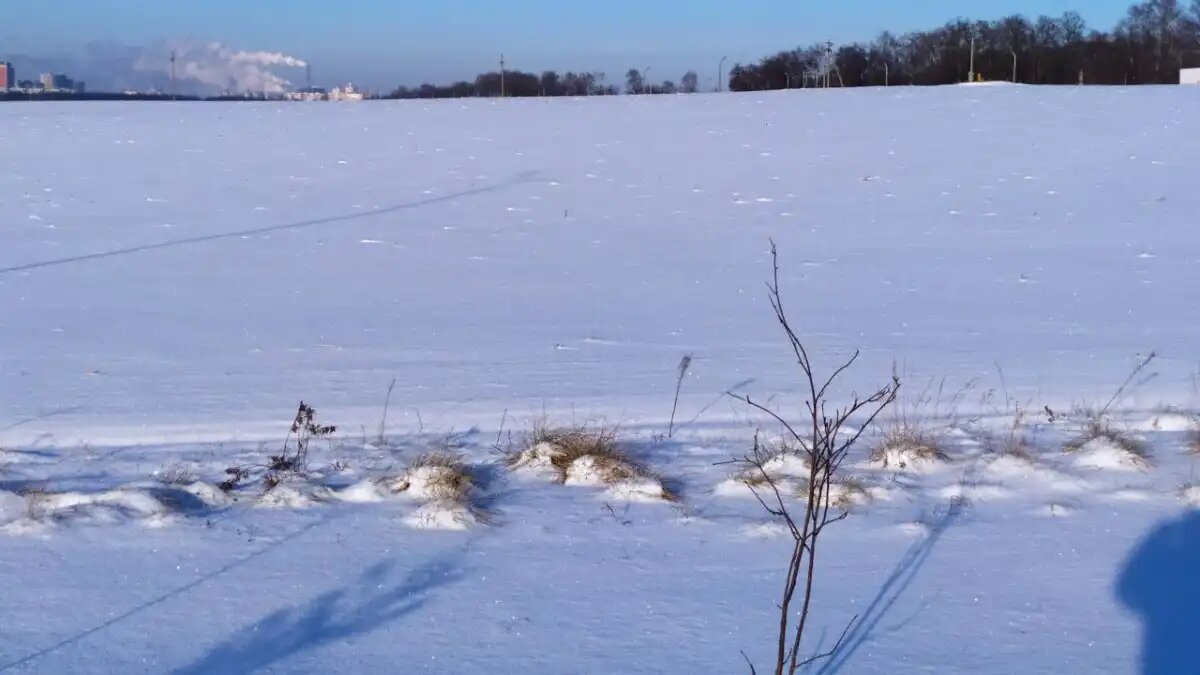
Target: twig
749, 663
383, 420
684, 364
1120, 390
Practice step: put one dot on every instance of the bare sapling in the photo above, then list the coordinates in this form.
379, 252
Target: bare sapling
382, 439
820, 436
684, 364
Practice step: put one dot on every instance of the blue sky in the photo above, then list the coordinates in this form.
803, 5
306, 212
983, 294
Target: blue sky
380, 43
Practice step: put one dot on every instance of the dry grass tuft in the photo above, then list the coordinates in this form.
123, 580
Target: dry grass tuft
1099, 429
561, 447
1193, 437
580, 455
903, 445
177, 474
438, 475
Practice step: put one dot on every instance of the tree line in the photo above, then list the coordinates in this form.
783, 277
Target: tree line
550, 83
1148, 46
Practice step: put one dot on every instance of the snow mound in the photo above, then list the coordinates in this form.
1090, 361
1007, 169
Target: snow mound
12, 506
600, 470
787, 464
210, 495
771, 530
975, 491
1129, 495
366, 491
649, 490
906, 453
1104, 453
434, 482
789, 471
296, 496
443, 515
844, 493
1168, 421
1191, 495
538, 459
111, 507
1026, 472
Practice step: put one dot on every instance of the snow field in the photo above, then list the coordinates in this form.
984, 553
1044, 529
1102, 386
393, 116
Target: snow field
173, 277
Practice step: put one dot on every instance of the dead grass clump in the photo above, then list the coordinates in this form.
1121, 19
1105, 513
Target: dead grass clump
558, 449
780, 463
1193, 438
1102, 430
177, 474
439, 476
845, 492
903, 446
587, 456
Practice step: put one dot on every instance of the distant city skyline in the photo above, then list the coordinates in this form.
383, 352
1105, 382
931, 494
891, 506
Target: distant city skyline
379, 45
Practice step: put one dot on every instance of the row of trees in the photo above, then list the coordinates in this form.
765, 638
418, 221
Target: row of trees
1149, 46
550, 83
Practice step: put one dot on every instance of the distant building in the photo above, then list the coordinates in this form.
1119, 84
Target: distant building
57, 82
346, 93
1189, 76
8, 76
308, 94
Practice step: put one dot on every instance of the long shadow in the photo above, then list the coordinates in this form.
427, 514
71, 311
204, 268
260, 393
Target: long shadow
38, 418
893, 587
161, 598
515, 180
330, 617
1160, 581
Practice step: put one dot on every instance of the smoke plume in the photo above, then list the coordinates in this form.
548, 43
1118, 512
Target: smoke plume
201, 68
216, 68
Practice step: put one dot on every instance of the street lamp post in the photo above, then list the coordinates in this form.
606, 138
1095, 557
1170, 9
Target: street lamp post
971, 74
721, 73
1014, 53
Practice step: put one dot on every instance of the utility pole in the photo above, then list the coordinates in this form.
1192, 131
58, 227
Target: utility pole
172, 75
721, 73
971, 74
501, 76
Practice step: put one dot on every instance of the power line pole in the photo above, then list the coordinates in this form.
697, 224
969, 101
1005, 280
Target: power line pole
502, 92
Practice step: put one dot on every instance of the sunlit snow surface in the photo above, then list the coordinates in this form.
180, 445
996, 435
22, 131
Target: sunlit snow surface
174, 278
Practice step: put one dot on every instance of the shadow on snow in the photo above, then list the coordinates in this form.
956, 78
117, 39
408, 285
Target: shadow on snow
1160, 582
330, 617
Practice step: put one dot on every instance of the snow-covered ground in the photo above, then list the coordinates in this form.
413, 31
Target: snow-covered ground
174, 279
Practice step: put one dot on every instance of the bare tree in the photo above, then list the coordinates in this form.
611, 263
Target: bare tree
821, 438
634, 82
690, 83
